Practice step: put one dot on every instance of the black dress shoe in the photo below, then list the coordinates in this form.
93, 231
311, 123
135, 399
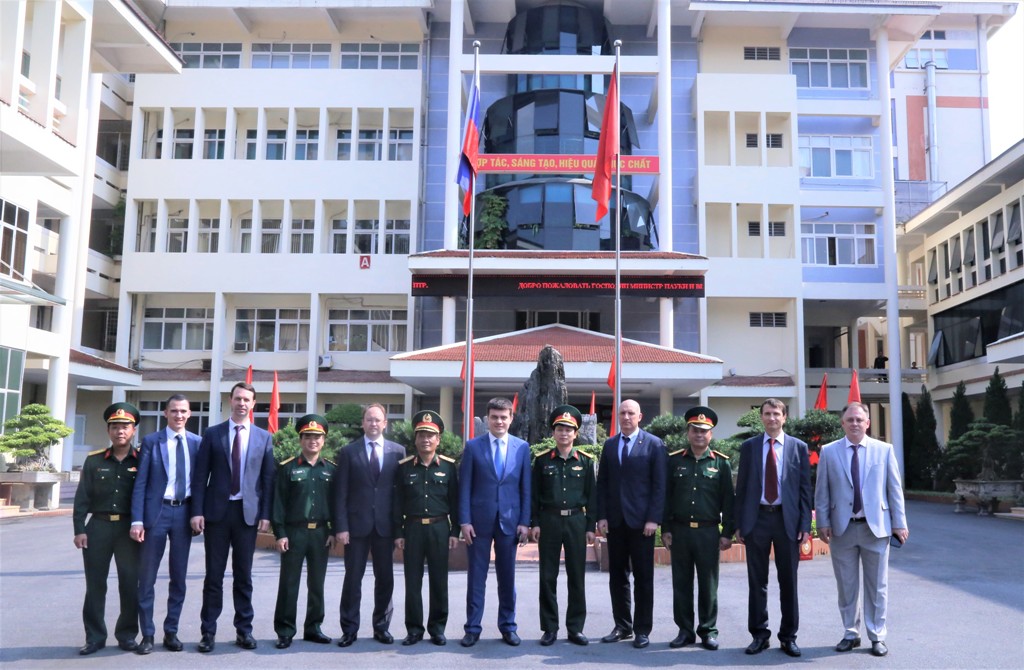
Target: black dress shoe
709, 643
848, 644
283, 642
383, 637
789, 646
128, 645
682, 640
510, 638
91, 648
347, 639
206, 643
617, 634
548, 638
245, 640
878, 648
440, 640
579, 638
316, 636
146, 646
641, 641
411, 639
172, 643
758, 645
469, 639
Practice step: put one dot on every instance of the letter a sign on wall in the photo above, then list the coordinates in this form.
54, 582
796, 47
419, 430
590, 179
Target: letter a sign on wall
364, 262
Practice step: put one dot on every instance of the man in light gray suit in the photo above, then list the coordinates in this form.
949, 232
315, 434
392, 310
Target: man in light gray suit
859, 503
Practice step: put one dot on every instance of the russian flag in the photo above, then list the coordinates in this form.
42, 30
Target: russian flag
470, 146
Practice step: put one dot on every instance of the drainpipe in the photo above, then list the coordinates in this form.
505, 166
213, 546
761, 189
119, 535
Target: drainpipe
933, 122
982, 73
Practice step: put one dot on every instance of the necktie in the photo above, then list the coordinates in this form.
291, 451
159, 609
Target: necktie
499, 462
374, 462
179, 469
771, 474
236, 462
858, 502
625, 449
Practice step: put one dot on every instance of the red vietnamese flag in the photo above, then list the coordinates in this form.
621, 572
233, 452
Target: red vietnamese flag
275, 405
593, 398
854, 389
248, 380
607, 148
822, 401
468, 405
515, 402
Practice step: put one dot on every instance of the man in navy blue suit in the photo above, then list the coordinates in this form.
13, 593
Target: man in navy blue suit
232, 492
494, 507
160, 512
630, 502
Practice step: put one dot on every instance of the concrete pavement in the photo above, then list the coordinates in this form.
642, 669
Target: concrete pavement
956, 601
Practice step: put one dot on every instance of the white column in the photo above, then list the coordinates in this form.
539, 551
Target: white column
734, 250
665, 401
453, 141
293, 125
323, 142
448, 309
224, 240
666, 322
385, 134
230, 130
63, 316
12, 43
43, 71
138, 138
800, 401
220, 342
256, 245
445, 404
124, 328
665, 218
131, 227
888, 225
192, 239
261, 133
284, 245
765, 232
199, 134
732, 139
762, 137
167, 126
318, 227
315, 338
160, 243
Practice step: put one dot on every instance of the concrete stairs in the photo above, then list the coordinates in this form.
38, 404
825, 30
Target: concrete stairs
1014, 513
8, 511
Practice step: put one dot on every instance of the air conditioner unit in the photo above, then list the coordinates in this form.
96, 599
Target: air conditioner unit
324, 362
241, 347
207, 365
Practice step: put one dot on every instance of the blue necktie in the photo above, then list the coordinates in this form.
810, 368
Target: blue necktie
179, 470
625, 450
499, 462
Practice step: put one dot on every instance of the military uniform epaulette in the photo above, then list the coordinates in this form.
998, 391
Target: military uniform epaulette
406, 459
328, 461
97, 452
719, 454
546, 453
583, 453
288, 460
678, 451
446, 458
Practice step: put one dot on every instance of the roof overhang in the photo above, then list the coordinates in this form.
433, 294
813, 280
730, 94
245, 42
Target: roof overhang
1007, 350
124, 41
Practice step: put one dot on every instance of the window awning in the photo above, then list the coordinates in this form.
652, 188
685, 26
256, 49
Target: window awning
14, 292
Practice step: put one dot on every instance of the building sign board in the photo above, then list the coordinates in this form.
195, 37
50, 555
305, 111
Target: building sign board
570, 286
561, 163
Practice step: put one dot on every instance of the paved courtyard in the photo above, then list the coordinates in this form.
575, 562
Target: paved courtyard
956, 601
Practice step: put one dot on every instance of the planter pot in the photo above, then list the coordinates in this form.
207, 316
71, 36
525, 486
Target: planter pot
31, 477
986, 493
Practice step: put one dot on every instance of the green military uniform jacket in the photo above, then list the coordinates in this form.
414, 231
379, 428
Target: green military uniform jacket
302, 494
425, 491
105, 486
564, 484
699, 491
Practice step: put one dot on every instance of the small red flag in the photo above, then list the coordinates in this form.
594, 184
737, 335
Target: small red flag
248, 380
593, 398
275, 405
854, 389
607, 148
515, 402
822, 400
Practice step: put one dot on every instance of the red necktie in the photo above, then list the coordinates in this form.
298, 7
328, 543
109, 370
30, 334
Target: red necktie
236, 462
771, 474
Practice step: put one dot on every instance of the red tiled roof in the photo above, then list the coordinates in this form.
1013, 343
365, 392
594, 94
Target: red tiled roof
576, 346
756, 381
96, 362
555, 255
267, 376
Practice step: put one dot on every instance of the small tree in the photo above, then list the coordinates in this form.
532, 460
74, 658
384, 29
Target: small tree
493, 225
960, 414
1018, 419
31, 434
923, 453
286, 443
998, 448
997, 402
671, 429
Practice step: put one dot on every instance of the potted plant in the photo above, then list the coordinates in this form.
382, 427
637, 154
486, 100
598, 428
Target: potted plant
29, 436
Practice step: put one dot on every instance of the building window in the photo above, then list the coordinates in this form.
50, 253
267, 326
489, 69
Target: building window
213, 144
209, 236
775, 229
533, 318
286, 55
339, 236
177, 235
209, 55
250, 144
773, 140
377, 56
934, 35
277, 143
177, 329
366, 239
396, 236
363, 330
13, 240
767, 319
245, 236
12, 369
370, 144
835, 156
183, 143
400, 144
762, 53
838, 243
272, 329
829, 68
918, 59
751, 140
287, 412
302, 236
306, 142
344, 145
271, 236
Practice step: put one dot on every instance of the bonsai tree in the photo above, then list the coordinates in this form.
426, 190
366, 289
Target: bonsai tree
817, 428
30, 435
286, 442
999, 449
960, 414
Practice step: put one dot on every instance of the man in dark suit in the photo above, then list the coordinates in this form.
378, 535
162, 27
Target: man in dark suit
232, 491
773, 508
161, 511
363, 523
630, 502
494, 508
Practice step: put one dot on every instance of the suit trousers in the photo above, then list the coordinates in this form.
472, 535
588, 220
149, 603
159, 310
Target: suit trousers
232, 534
769, 531
309, 546
629, 550
110, 540
479, 555
855, 548
357, 551
172, 524
695, 550
426, 544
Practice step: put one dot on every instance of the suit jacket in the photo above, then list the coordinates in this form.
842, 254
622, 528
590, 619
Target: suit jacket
482, 497
881, 492
795, 486
151, 482
211, 479
633, 493
361, 507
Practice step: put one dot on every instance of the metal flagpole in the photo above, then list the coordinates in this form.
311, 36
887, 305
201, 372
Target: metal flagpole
618, 237
467, 391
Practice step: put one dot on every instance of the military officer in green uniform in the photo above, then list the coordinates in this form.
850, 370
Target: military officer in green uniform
564, 506
426, 507
698, 499
301, 521
105, 492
